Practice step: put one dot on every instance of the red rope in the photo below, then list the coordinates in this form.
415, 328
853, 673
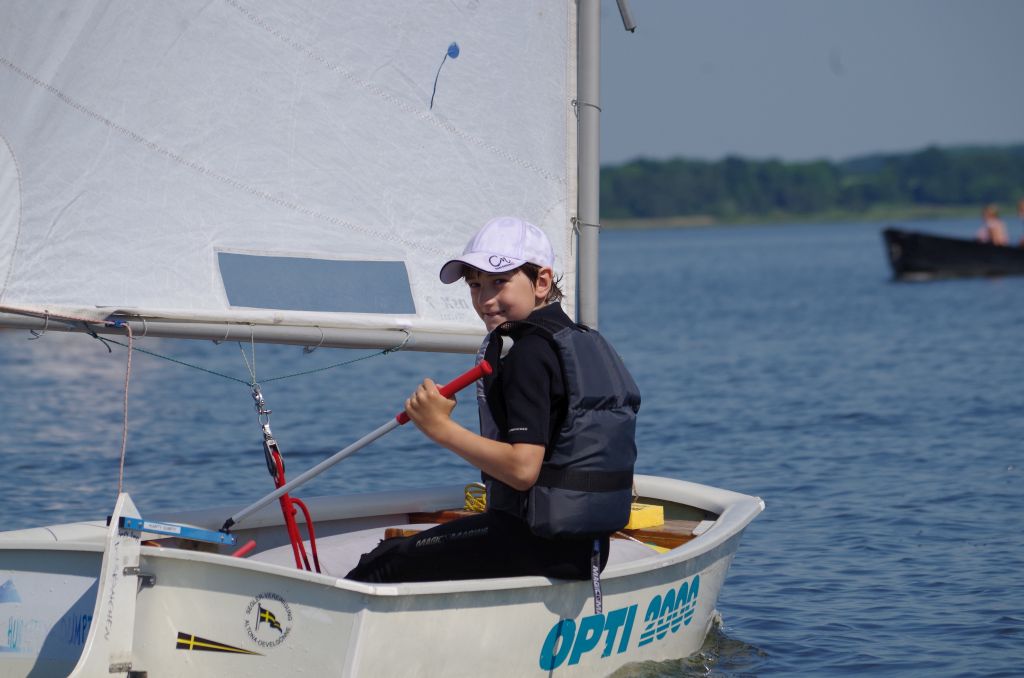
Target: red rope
309, 528
288, 509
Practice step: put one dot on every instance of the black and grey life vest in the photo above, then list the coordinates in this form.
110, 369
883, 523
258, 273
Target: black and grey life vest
585, 486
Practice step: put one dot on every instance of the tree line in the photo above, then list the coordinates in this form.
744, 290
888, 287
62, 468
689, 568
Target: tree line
733, 187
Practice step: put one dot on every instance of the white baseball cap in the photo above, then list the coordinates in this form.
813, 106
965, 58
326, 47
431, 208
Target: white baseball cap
503, 244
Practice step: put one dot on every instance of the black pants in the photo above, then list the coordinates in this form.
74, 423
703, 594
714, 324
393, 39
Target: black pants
492, 544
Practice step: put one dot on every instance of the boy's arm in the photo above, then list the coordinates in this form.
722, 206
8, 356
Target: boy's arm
516, 465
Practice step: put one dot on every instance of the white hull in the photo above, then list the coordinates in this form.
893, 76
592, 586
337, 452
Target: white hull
199, 605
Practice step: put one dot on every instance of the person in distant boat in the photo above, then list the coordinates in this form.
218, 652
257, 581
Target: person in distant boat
1020, 215
992, 229
557, 418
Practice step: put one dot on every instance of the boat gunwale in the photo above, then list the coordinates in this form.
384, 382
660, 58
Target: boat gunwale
735, 511
72, 546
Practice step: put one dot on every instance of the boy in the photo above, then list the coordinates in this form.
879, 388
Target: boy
557, 418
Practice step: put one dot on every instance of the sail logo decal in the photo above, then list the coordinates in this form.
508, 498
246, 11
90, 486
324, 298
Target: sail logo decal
74, 628
24, 635
268, 620
29, 635
9, 594
194, 643
666, 613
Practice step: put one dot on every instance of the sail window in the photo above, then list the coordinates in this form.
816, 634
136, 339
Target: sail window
318, 285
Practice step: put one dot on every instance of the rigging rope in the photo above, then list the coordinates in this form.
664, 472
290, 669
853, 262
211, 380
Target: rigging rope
251, 368
124, 426
275, 464
302, 373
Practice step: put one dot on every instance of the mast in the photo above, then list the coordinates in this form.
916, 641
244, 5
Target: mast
589, 168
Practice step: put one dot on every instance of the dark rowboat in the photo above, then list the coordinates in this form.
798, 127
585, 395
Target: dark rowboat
919, 256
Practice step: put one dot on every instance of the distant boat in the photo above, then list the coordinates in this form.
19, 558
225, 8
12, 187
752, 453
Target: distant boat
921, 256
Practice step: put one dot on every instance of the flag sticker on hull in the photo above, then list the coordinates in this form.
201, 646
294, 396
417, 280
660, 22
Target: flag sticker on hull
188, 641
268, 620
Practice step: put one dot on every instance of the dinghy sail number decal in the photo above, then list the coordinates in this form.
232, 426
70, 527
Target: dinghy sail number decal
268, 620
665, 613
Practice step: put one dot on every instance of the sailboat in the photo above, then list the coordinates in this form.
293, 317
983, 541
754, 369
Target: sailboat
294, 172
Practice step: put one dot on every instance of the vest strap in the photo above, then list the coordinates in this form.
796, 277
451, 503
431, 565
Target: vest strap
548, 326
585, 481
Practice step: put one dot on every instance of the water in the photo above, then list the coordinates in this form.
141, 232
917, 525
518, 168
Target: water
880, 421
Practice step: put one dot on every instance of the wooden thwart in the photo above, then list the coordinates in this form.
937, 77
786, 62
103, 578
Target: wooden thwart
670, 535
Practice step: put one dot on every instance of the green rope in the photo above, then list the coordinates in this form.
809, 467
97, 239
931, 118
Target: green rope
179, 362
263, 381
330, 367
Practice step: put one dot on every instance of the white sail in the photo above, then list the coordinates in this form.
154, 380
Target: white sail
302, 163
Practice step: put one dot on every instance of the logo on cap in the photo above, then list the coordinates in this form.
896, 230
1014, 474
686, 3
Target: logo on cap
498, 262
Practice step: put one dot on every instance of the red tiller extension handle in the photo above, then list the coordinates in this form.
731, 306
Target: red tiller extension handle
460, 382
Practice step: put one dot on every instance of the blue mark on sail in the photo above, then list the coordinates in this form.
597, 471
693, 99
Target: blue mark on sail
8, 594
74, 628
452, 53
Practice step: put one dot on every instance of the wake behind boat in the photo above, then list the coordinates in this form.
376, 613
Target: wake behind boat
922, 256
293, 172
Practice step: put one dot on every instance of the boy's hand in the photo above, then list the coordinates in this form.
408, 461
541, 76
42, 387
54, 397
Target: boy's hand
429, 410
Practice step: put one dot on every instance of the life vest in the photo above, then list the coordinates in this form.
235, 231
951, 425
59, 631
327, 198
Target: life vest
585, 486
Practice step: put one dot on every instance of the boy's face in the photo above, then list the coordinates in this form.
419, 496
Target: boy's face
499, 297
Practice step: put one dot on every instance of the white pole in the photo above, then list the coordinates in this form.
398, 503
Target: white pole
588, 97
326, 337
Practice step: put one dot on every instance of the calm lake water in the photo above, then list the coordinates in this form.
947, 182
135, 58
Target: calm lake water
881, 422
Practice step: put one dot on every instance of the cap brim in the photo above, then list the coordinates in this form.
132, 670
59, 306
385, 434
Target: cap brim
488, 263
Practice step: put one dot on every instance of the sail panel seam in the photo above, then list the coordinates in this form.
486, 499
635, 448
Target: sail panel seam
17, 221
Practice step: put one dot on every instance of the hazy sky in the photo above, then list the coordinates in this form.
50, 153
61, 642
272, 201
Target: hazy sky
802, 79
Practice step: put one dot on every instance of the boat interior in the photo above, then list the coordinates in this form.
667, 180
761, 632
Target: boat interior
339, 553
341, 541
346, 527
